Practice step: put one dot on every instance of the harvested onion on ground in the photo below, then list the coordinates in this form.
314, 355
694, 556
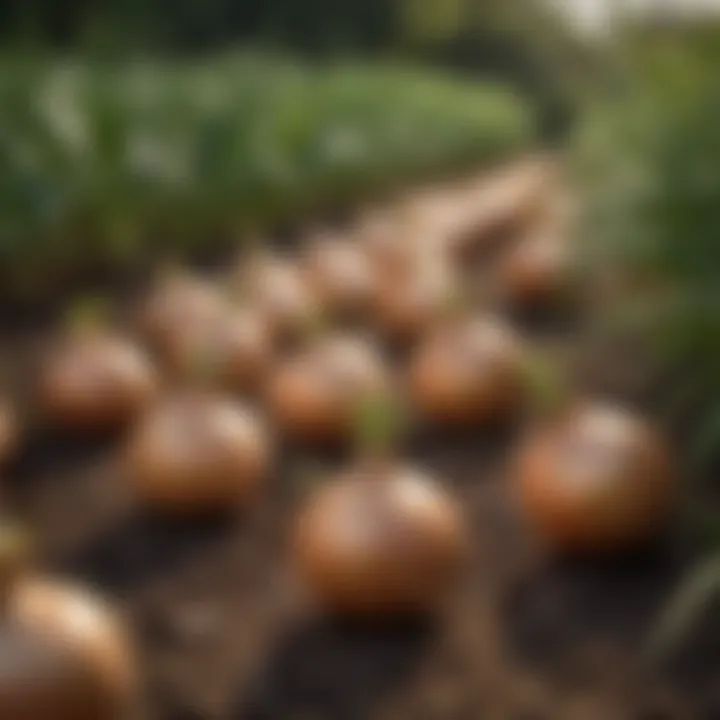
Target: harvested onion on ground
596, 479
64, 653
197, 453
468, 372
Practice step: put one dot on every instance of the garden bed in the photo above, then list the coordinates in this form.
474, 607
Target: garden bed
225, 632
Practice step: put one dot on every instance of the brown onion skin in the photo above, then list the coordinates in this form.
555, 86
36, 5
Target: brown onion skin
342, 277
468, 372
279, 291
63, 655
232, 352
380, 542
396, 245
536, 273
314, 397
198, 453
409, 304
177, 303
597, 480
95, 382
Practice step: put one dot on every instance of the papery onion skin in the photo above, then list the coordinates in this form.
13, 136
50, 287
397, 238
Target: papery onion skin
95, 383
598, 480
468, 372
380, 542
198, 453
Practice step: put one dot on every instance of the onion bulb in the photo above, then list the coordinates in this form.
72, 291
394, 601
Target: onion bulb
178, 302
598, 479
64, 653
95, 382
410, 303
280, 292
198, 453
468, 372
315, 396
342, 276
380, 540
535, 273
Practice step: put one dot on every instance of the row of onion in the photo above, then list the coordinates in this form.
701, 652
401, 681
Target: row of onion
213, 374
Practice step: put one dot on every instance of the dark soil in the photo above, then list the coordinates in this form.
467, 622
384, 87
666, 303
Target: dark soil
225, 632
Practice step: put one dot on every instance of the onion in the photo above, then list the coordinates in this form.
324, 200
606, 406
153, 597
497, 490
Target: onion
380, 540
342, 276
315, 396
468, 372
279, 291
535, 273
198, 453
177, 303
95, 382
598, 479
64, 654
410, 303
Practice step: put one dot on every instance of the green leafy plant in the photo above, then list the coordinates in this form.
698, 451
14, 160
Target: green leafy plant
107, 164
650, 162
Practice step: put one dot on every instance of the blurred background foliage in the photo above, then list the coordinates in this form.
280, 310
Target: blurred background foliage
520, 41
649, 160
108, 163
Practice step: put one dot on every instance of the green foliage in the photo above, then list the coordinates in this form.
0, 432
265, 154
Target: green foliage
106, 163
650, 161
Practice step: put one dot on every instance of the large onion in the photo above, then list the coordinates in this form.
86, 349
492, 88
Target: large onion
64, 654
380, 540
198, 453
597, 479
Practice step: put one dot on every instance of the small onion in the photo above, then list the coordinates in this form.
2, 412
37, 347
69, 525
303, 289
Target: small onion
383, 238
536, 273
95, 382
278, 290
380, 540
316, 395
468, 372
342, 276
598, 479
409, 304
198, 453
177, 303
